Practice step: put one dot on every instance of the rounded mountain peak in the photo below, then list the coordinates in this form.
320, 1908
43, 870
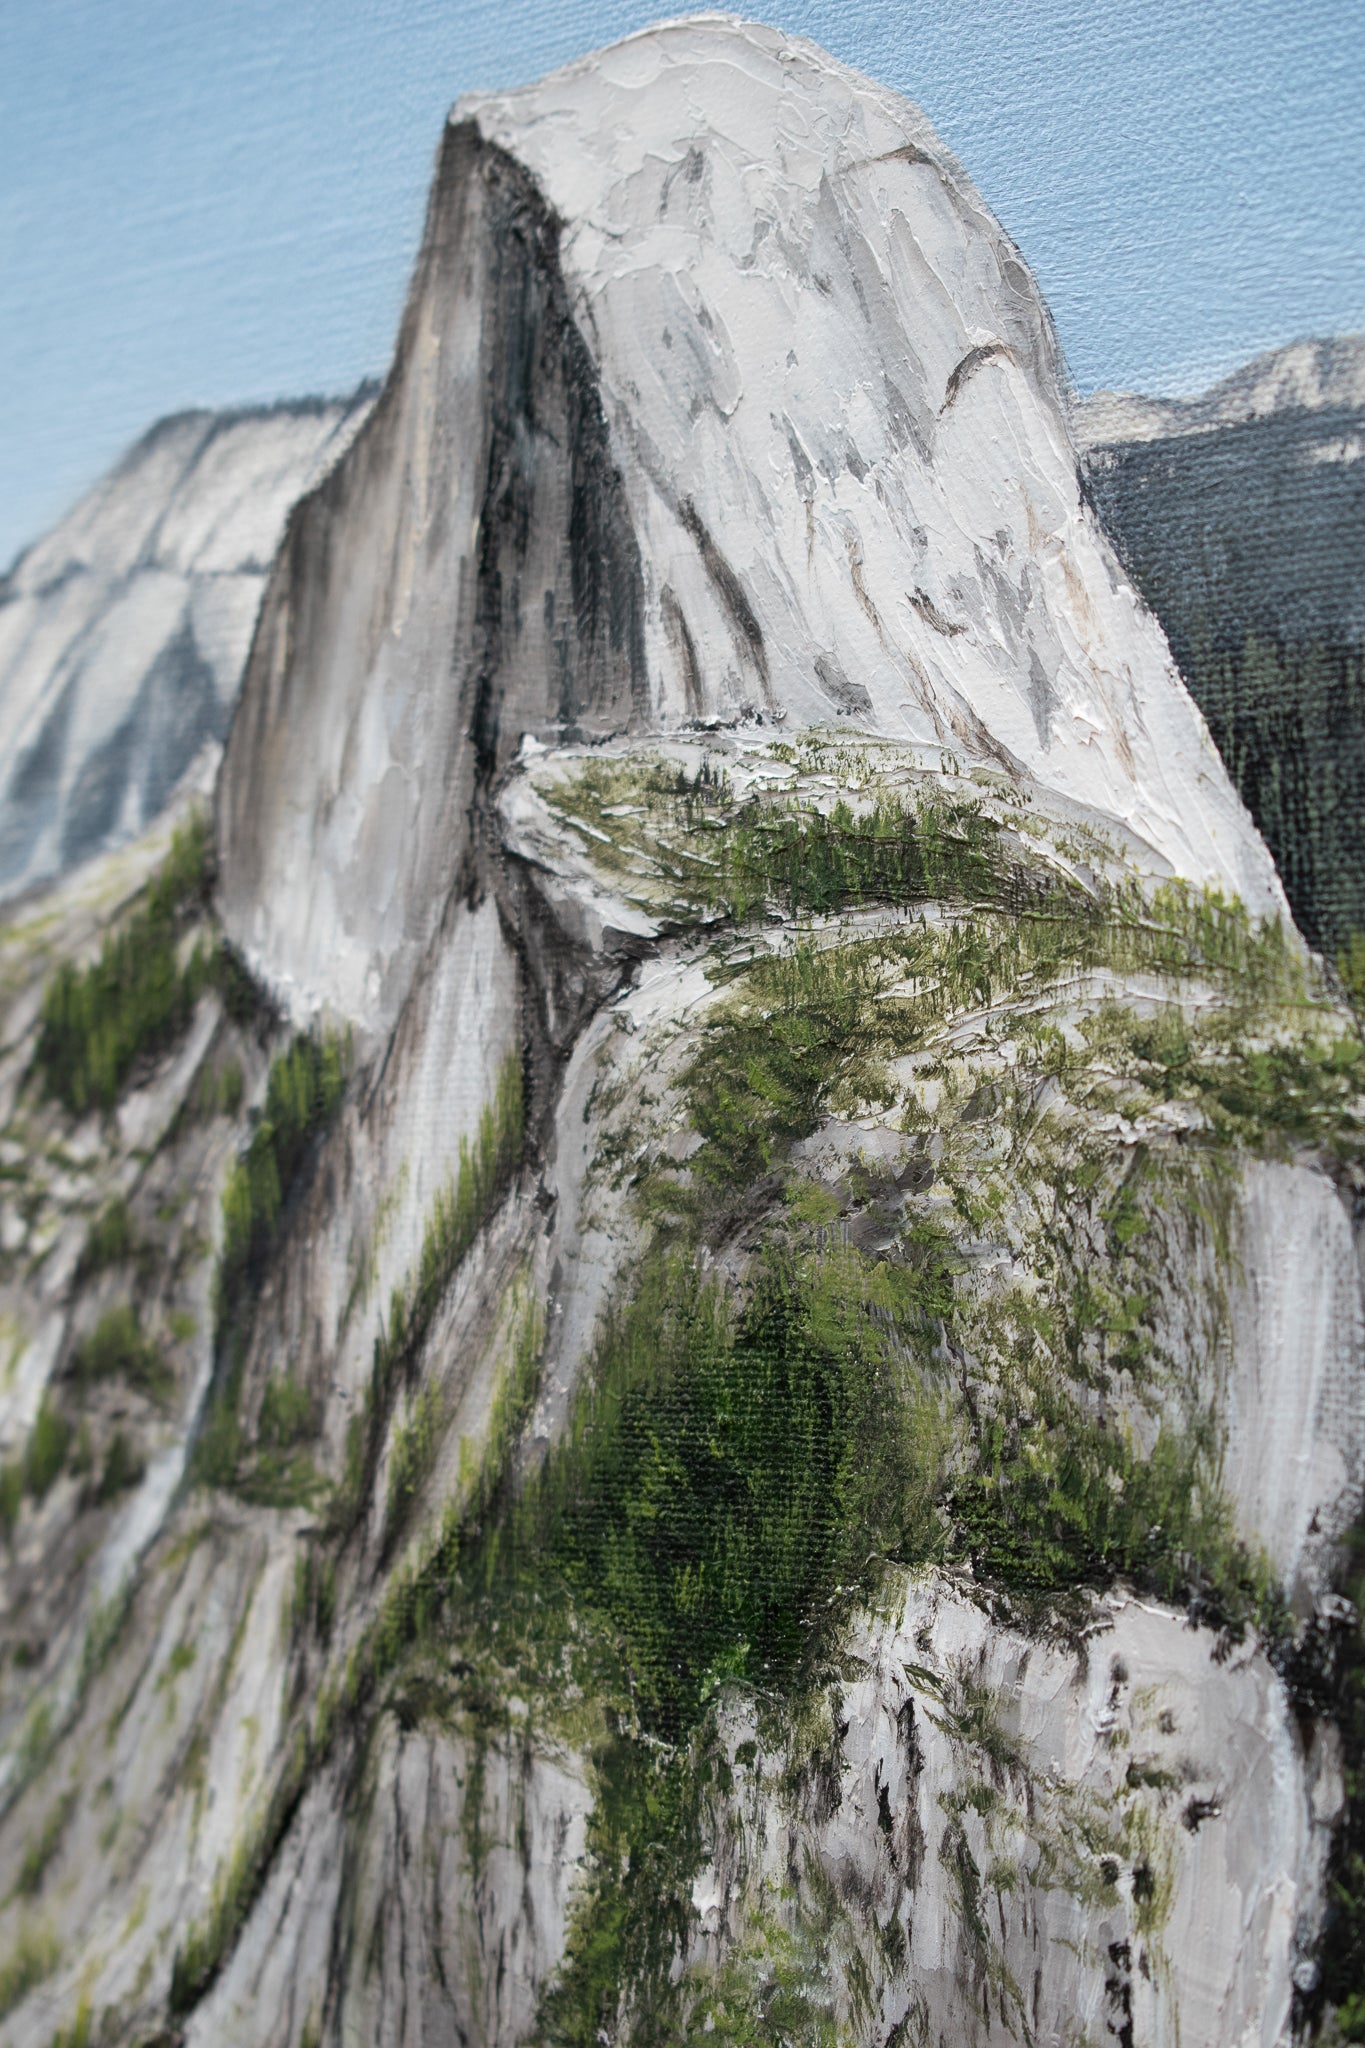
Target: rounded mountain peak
834, 395
720, 397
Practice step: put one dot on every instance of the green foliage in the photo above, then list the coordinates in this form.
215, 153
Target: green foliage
411, 1455
644, 1840
457, 1216
469, 1546
1351, 967
118, 1349
44, 1845
32, 1960
181, 1660
45, 1452
208, 1941
659, 833
110, 1239
11, 1494
98, 1022
906, 843
107, 1621
221, 1088
812, 862
286, 1413
801, 1036
123, 1469
732, 1482
774, 1987
35, 1743
710, 853
217, 1448
243, 999
273, 1480
230, 1085
303, 1093
312, 1601
811, 1032
81, 2031
1299, 1088
274, 1471
1053, 1501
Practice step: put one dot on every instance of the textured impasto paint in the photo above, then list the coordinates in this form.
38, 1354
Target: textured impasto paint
681, 1344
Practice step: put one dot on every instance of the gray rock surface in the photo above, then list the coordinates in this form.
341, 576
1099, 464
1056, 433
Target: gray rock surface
124, 632
719, 395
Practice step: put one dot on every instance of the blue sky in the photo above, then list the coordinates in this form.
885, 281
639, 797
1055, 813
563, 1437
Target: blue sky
216, 201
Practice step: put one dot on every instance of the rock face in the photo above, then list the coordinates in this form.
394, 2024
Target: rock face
123, 633
780, 400
721, 1399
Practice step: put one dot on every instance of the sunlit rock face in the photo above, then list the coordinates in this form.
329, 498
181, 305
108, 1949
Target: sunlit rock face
124, 632
744, 1384
719, 395
833, 394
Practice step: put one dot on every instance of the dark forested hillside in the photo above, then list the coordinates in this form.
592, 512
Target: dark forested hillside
1248, 542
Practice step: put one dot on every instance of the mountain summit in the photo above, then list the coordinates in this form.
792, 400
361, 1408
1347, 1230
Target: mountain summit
719, 396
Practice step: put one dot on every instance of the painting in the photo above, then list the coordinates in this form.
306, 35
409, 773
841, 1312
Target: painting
682, 1105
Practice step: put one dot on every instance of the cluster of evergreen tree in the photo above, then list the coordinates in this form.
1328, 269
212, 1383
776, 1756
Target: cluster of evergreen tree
1249, 545
1289, 720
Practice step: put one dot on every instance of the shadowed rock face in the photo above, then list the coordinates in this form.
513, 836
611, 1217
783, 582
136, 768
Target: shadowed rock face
756, 1446
123, 633
467, 575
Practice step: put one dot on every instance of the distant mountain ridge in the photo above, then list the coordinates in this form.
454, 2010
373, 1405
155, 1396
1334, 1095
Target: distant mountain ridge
1304, 376
124, 631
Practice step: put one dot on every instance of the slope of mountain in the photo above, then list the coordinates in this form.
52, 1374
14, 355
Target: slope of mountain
1241, 519
684, 1318
123, 633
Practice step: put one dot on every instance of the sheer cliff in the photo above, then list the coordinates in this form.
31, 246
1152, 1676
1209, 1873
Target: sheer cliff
683, 1300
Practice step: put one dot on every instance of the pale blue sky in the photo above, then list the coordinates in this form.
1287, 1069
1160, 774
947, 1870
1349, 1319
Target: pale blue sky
217, 201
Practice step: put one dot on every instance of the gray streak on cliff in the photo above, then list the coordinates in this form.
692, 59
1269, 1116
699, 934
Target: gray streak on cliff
467, 574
